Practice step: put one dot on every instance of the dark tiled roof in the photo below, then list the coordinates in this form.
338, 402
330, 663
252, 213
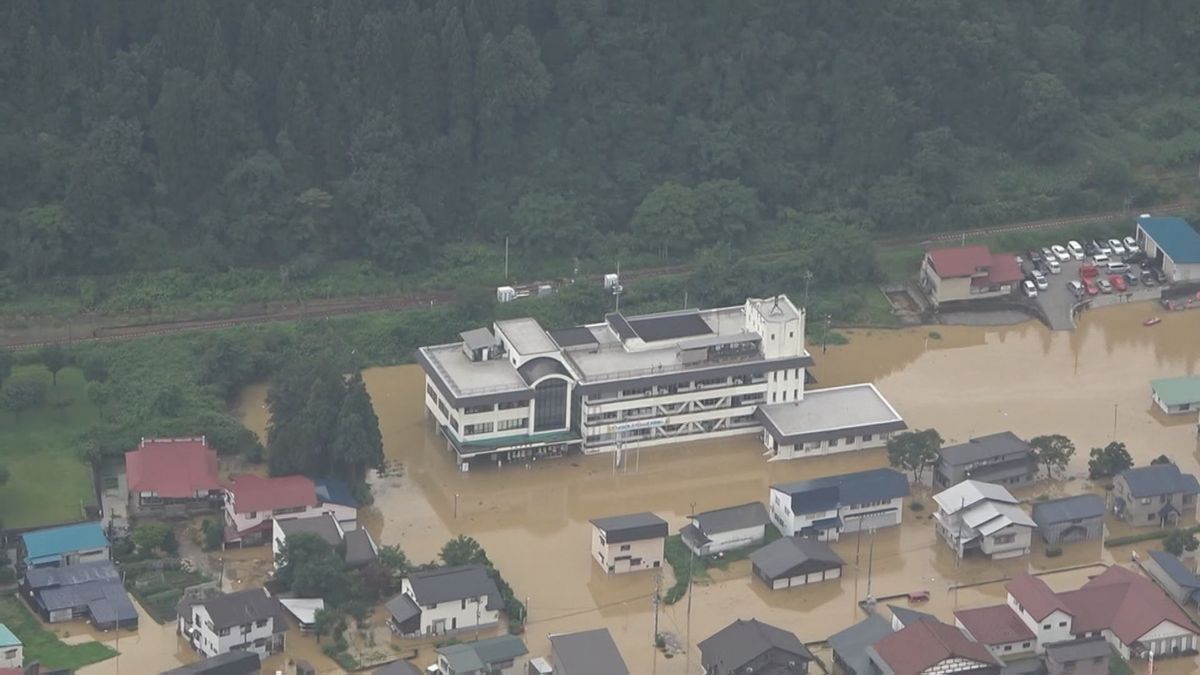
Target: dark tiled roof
1067, 509
454, 583
860, 487
1175, 569
732, 518
402, 608
323, 526
983, 447
400, 667
794, 555
744, 640
70, 575
923, 644
1159, 479
360, 548
230, 663
234, 609
851, 644
1078, 650
994, 625
655, 327
906, 616
590, 652
632, 527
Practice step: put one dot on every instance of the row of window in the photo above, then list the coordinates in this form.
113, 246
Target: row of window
835, 442
795, 374
667, 390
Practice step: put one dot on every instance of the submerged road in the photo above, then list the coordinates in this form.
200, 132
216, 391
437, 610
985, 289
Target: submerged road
317, 309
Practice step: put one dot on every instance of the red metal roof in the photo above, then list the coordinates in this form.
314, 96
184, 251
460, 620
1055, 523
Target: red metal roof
994, 625
255, 493
1004, 269
1035, 597
1124, 602
924, 644
172, 468
960, 261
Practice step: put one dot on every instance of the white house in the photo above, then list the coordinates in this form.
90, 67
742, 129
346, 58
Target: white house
982, 516
12, 652
249, 620
252, 502
823, 508
445, 600
726, 529
998, 627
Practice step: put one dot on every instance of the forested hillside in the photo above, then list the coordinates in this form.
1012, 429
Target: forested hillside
141, 134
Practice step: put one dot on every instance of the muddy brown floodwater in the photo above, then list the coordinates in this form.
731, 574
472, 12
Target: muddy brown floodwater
533, 520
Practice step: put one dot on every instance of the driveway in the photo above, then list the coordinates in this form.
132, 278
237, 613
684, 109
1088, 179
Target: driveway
1057, 301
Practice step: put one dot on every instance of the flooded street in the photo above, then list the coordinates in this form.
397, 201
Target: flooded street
533, 520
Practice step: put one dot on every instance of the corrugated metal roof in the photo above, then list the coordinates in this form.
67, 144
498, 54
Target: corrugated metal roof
56, 541
589, 652
1177, 390
1159, 479
1174, 236
1077, 507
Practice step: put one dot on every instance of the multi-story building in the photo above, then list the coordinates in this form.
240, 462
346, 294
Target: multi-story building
823, 508
984, 517
1155, 496
519, 391
968, 273
444, 600
253, 502
629, 543
248, 620
1003, 459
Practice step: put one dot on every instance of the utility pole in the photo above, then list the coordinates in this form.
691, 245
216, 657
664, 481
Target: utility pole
958, 539
506, 258
870, 563
691, 563
858, 544
1114, 436
808, 275
825, 337
657, 601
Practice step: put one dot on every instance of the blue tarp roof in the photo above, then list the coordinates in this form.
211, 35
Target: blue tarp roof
47, 545
1174, 236
334, 491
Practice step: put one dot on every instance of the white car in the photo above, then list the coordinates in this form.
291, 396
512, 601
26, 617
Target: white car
1060, 252
1054, 266
1100, 259
1040, 280
1030, 289
1131, 245
1075, 249
1101, 246
1117, 247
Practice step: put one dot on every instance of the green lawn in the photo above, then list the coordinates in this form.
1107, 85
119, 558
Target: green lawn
44, 646
48, 483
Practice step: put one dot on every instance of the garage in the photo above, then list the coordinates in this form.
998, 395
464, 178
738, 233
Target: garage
795, 561
1173, 244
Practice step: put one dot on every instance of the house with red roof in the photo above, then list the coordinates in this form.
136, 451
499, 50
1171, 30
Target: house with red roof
999, 629
173, 475
968, 273
253, 502
928, 647
1125, 608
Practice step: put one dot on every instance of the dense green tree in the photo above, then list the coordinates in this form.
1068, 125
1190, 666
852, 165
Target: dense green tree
463, 550
667, 218
100, 394
1109, 461
6, 366
1179, 541
3, 476
914, 451
55, 358
1053, 452
357, 443
151, 537
550, 224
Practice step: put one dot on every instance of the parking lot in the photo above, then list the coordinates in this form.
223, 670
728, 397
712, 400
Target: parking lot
1057, 301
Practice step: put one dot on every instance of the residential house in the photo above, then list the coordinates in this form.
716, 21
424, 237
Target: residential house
1177, 579
589, 652
999, 629
1120, 605
337, 499
173, 476
1003, 459
929, 647
1177, 395
795, 561
629, 543
497, 656
904, 616
824, 508
1156, 495
850, 646
968, 273
229, 663
444, 600
65, 545
249, 620
975, 516
12, 652
751, 646
357, 546
726, 529
1087, 656
88, 591
1075, 518
252, 502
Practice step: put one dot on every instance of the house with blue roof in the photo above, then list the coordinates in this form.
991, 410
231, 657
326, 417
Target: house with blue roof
1158, 495
1177, 579
65, 545
823, 508
1172, 243
12, 652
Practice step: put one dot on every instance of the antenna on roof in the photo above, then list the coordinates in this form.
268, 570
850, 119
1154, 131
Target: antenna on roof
775, 308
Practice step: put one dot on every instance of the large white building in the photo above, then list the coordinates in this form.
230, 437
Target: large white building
519, 391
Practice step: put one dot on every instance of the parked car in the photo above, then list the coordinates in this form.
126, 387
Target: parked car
1089, 287
1088, 271
1137, 258
1034, 256
1030, 289
1118, 282
1131, 276
1148, 278
1100, 259
1076, 287
1047, 253
1060, 252
1117, 267
1131, 245
1040, 280
1101, 246
1118, 248
1105, 285
1054, 266
1075, 249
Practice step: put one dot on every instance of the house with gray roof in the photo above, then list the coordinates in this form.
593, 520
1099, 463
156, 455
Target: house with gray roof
356, 546
824, 508
751, 646
589, 652
229, 663
1074, 518
1176, 578
850, 646
90, 591
496, 656
445, 600
249, 620
1155, 495
629, 543
726, 529
1085, 656
795, 561
904, 616
1002, 458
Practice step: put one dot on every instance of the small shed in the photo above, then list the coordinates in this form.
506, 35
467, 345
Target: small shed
1177, 395
1177, 579
795, 561
1075, 518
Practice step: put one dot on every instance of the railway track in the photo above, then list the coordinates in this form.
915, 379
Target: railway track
330, 309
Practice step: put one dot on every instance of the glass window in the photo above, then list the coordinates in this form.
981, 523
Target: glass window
550, 405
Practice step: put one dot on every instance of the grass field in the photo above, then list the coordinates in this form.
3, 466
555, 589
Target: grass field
48, 483
44, 646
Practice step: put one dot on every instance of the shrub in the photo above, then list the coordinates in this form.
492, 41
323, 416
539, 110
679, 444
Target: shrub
1053, 551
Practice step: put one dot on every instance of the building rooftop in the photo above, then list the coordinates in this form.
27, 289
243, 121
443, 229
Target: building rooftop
7, 639
304, 609
230, 663
860, 487
172, 468
38, 578
988, 517
983, 447
964, 494
960, 261
465, 377
252, 493
1177, 390
923, 644
1174, 236
398, 667
907, 615
994, 625
631, 527
1066, 509
1079, 650
1174, 568
323, 526
454, 583
48, 545
732, 518
526, 336
851, 644
334, 491
855, 406
1159, 479
1035, 596
478, 338
783, 555
1125, 602
233, 609
469, 657
587, 652
742, 641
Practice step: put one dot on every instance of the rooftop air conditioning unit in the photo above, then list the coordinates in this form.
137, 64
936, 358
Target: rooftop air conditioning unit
505, 294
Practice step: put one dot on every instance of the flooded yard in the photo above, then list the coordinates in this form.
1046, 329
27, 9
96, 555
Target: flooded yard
533, 520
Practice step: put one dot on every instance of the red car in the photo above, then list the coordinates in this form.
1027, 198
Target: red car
1118, 283
1089, 286
1088, 272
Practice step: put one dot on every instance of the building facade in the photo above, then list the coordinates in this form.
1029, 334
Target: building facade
1177, 395
1003, 459
1075, 518
445, 600
726, 529
249, 620
1157, 495
1172, 244
976, 516
12, 652
824, 508
968, 273
629, 543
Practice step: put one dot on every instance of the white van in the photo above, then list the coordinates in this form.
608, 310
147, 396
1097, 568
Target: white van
1117, 267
